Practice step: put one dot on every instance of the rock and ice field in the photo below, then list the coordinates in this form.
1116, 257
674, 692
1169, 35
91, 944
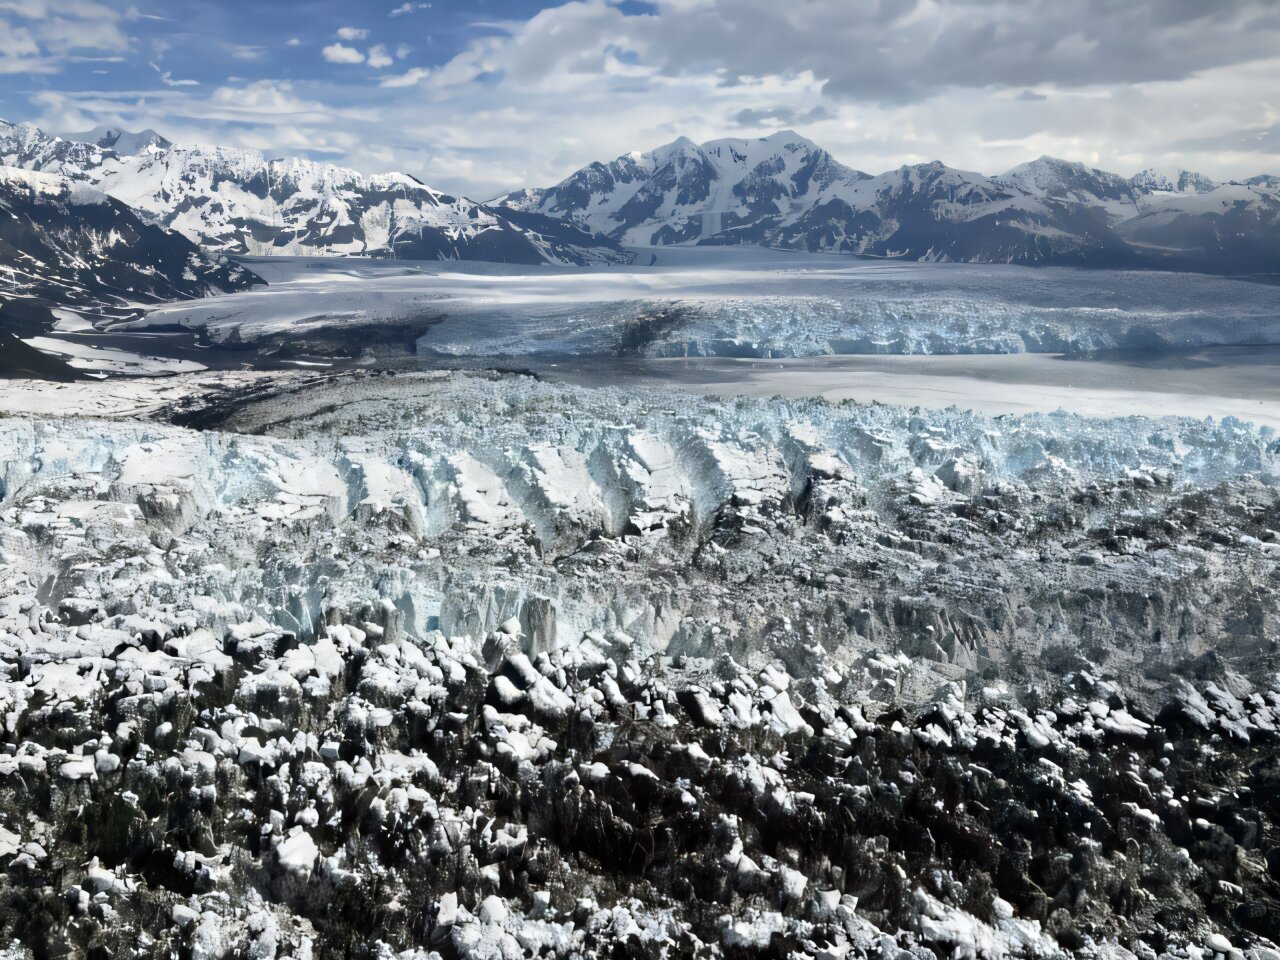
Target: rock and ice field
473, 663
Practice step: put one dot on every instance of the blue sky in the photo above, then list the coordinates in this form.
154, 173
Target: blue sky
482, 96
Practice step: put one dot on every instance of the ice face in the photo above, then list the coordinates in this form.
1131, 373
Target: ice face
751, 305
485, 664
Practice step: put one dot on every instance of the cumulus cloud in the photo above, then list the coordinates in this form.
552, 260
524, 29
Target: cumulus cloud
905, 52
982, 84
352, 33
340, 53
379, 57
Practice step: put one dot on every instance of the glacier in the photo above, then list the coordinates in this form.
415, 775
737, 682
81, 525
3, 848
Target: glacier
474, 664
732, 304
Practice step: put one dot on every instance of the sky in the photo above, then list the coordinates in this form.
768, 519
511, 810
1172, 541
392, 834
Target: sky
479, 97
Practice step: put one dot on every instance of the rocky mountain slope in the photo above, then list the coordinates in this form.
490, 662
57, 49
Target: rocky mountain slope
66, 242
238, 202
785, 191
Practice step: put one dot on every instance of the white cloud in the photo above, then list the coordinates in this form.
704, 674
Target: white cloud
403, 51
379, 57
264, 115
293, 42
166, 77
352, 33
406, 8
410, 78
338, 53
39, 36
17, 42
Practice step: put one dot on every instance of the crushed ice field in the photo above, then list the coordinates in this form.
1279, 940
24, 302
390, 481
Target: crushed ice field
472, 663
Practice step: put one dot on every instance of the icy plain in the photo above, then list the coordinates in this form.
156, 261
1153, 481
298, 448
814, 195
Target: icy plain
742, 303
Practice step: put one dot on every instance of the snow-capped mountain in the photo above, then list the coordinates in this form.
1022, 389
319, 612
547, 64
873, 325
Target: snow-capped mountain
121, 141
236, 201
684, 192
66, 242
1235, 227
782, 191
785, 191
1184, 181
1063, 180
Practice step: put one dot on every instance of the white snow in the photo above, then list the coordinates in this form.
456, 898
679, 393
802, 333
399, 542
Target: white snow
88, 356
298, 852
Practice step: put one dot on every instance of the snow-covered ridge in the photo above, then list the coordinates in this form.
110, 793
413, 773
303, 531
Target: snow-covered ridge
121, 141
782, 190
237, 201
785, 191
50, 185
63, 240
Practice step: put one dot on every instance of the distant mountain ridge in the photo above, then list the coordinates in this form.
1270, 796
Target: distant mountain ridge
779, 191
235, 201
785, 191
65, 242
121, 141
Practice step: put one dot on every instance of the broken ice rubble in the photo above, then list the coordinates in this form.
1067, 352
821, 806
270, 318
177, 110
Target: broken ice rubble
476, 666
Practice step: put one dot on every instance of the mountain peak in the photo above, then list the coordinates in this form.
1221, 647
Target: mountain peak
783, 139
121, 141
1185, 181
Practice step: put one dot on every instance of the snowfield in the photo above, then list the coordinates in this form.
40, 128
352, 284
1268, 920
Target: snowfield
475, 665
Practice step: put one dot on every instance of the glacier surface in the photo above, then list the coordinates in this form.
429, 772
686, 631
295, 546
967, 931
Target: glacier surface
741, 304
465, 664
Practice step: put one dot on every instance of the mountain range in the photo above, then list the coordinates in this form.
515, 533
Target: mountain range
237, 202
785, 191
131, 216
